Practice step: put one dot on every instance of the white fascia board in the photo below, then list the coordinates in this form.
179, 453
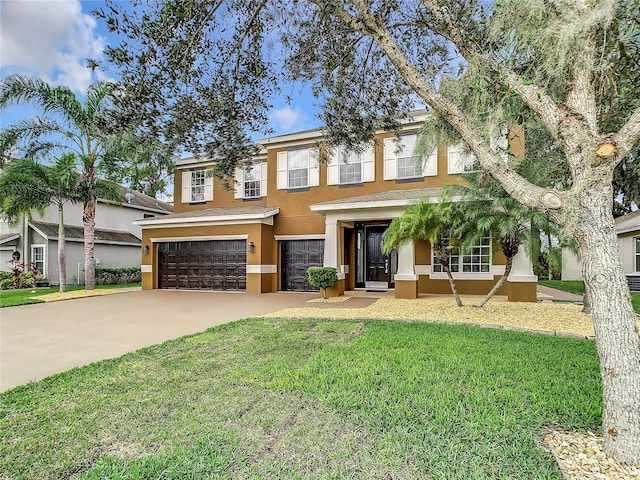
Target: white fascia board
628, 230
197, 238
98, 242
332, 207
202, 220
193, 161
11, 238
38, 231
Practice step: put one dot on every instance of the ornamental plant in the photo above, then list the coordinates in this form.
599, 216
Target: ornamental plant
323, 278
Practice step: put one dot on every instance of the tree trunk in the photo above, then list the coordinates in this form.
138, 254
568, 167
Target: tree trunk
452, 282
89, 222
614, 320
549, 271
62, 252
499, 283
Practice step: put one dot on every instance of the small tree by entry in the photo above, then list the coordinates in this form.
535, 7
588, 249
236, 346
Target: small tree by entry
323, 278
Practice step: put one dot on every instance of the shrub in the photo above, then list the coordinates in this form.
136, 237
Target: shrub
6, 283
4, 275
322, 277
27, 280
118, 276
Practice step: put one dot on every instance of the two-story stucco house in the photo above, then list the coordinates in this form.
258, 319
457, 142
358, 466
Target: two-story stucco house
117, 240
289, 211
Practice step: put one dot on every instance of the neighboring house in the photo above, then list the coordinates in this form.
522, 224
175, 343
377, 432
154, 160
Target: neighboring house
628, 231
117, 240
289, 211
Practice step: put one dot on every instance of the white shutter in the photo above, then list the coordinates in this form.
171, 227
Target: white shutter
208, 185
238, 183
333, 167
390, 162
186, 187
314, 167
430, 164
368, 164
263, 179
282, 171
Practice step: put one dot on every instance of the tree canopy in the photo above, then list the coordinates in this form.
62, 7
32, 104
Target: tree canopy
201, 73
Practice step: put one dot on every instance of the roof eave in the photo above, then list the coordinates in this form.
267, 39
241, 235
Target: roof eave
213, 218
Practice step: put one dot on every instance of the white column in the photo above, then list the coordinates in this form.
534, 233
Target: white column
406, 263
522, 270
332, 246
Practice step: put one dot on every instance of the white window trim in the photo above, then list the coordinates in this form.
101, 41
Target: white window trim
260, 168
392, 152
313, 169
34, 246
461, 273
186, 186
636, 258
366, 158
459, 161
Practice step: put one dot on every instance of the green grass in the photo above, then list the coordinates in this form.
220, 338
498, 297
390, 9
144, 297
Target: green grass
24, 296
571, 286
577, 287
308, 399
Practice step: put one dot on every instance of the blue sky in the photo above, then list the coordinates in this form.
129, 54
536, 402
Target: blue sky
51, 39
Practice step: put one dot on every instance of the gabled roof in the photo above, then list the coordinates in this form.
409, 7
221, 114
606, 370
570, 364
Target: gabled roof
628, 223
75, 233
392, 198
222, 214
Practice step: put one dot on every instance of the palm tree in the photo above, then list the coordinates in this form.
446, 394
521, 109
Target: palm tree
68, 124
489, 211
27, 186
428, 221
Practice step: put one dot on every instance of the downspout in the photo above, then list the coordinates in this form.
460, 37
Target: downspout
26, 254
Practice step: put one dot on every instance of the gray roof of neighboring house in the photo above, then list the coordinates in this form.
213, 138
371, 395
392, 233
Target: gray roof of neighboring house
389, 196
628, 223
74, 233
140, 201
7, 237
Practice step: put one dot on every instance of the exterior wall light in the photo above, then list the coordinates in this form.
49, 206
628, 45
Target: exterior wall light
145, 250
250, 247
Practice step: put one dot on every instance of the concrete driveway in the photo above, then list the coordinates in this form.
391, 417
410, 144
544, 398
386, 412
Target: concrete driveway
46, 338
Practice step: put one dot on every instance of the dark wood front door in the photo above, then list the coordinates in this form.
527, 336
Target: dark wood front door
296, 257
377, 263
203, 265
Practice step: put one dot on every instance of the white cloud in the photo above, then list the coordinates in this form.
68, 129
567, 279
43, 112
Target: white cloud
286, 118
50, 39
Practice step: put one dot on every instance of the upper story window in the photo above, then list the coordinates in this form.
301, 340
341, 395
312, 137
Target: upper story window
348, 168
298, 169
401, 161
251, 181
460, 161
476, 260
197, 186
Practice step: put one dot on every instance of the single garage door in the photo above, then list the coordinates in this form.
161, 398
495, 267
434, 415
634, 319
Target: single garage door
296, 257
203, 265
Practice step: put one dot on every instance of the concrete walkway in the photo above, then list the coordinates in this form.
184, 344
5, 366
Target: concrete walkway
548, 293
46, 338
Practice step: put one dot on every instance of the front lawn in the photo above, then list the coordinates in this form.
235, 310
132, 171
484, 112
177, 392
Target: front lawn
577, 287
25, 296
308, 399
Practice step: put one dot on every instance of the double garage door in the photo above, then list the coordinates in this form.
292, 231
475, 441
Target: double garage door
203, 265
222, 264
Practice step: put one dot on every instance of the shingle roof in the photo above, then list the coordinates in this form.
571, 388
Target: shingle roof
389, 196
222, 212
141, 201
629, 222
7, 237
72, 232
